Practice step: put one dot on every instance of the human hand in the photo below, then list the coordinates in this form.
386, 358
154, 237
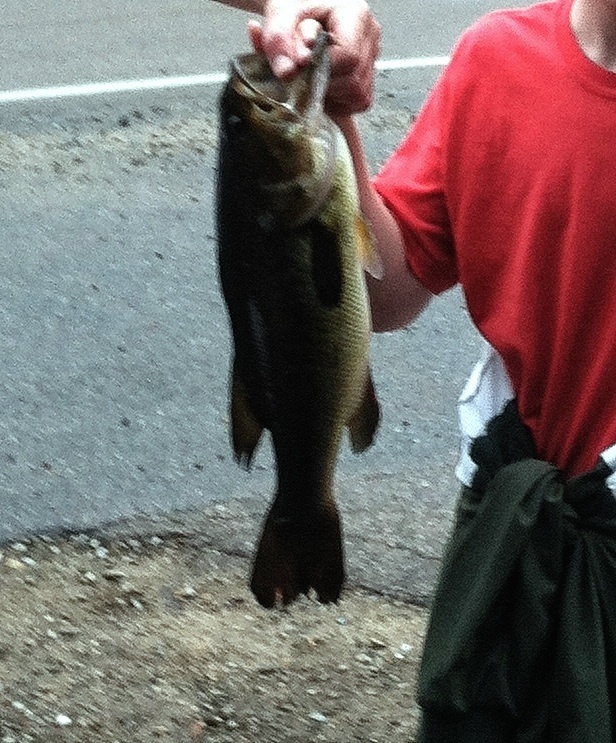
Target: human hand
289, 30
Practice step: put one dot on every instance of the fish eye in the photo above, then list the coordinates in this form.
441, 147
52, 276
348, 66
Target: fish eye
235, 124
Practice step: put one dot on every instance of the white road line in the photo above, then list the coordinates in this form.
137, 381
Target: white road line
163, 83
411, 63
114, 86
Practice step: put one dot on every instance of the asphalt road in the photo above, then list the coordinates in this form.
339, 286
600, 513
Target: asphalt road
113, 338
85, 40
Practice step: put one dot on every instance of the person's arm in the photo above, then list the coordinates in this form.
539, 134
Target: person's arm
252, 6
398, 297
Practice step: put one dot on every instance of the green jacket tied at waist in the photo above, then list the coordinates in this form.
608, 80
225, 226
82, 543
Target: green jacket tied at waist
521, 645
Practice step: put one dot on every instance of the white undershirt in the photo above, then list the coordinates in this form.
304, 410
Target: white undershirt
484, 396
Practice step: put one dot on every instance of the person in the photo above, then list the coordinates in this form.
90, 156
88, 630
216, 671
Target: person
506, 185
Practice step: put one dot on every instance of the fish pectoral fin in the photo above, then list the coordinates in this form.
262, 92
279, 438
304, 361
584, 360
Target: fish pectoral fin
246, 429
368, 255
365, 420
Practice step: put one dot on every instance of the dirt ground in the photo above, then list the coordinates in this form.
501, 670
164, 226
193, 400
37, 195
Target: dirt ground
160, 639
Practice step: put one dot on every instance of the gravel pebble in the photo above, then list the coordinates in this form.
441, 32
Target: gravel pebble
114, 574
318, 717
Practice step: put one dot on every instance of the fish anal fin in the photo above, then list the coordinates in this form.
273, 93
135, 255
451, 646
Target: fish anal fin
365, 420
368, 255
246, 429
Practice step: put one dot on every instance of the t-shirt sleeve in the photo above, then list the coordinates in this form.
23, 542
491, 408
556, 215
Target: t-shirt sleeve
412, 185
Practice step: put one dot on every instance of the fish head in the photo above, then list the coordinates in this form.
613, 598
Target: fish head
279, 137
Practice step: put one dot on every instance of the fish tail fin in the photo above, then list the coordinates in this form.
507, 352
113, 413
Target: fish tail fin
365, 420
298, 552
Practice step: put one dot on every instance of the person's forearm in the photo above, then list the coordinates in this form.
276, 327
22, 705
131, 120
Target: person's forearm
398, 297
252, 6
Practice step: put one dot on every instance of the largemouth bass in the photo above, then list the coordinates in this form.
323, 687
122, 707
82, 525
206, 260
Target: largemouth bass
291, 241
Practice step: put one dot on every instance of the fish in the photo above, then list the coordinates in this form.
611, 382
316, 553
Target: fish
293, 247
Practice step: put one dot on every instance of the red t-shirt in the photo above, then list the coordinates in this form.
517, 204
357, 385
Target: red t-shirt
506, 183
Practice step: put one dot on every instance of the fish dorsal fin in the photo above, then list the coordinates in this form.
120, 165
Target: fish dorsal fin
368, 256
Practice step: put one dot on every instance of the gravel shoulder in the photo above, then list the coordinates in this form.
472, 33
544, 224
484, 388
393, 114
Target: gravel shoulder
158, 638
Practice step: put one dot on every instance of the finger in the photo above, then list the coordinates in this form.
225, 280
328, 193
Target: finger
350, 94
280, 65
355, 45
255, 34
307, 32
280, 37
351, 88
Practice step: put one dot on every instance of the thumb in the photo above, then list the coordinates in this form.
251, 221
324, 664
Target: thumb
255, 34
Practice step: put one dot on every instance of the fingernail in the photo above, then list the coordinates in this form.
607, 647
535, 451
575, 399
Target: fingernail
283, 66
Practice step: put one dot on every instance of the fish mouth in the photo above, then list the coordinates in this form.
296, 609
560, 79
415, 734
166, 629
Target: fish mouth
301, 99
254, 81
